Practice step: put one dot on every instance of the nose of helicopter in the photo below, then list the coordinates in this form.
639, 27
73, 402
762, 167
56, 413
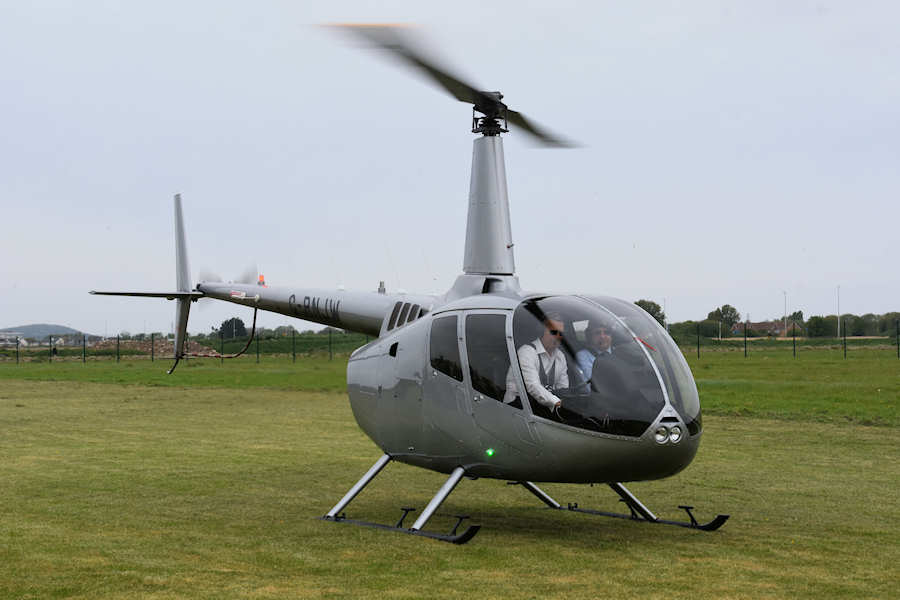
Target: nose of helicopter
662, 450
666, 449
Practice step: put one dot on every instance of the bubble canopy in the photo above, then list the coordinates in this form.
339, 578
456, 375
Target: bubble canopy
620, 367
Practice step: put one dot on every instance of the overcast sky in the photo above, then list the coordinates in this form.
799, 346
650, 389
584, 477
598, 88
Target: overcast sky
731, 152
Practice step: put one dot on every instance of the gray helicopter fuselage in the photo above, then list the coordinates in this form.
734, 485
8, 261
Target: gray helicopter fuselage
419, 414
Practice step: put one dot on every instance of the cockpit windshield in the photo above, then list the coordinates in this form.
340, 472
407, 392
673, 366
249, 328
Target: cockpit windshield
670, 362
585, 365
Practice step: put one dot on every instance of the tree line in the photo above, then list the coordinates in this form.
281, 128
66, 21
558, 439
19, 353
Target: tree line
725, 321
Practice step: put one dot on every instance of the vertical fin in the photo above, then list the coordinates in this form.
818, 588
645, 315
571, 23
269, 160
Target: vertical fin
182, 270
182, 282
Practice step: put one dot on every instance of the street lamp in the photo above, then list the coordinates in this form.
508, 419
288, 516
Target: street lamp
785, 312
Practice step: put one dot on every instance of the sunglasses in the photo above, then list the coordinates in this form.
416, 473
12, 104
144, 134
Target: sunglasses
556, 332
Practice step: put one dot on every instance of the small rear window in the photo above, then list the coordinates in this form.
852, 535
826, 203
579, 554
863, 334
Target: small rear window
403, 311
393, 320
413, 313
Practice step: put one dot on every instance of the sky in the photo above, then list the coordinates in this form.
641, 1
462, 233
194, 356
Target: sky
741, 153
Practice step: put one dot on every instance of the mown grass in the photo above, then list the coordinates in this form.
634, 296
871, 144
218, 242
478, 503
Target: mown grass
309, 373
210, 487
817, 385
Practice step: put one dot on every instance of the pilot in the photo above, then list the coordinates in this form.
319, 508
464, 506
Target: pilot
543, 366
599, 344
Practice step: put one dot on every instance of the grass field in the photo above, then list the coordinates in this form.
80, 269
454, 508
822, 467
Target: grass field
117, 481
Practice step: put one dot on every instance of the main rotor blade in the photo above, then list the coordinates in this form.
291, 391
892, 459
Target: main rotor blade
392, 38
389, 37
518, 119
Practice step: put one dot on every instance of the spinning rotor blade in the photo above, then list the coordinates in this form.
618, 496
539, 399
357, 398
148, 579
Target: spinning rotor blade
248, 275
388, 37
391, 38
209, 276
546, 138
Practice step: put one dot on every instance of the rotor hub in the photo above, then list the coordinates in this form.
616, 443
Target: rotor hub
489, 104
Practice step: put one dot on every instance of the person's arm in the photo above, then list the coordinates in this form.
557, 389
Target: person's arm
512, 387
529, 363
584, 358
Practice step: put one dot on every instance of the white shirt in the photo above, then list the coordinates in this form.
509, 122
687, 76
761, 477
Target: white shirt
529, 361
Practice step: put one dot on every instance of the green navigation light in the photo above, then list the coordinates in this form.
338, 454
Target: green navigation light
489, 451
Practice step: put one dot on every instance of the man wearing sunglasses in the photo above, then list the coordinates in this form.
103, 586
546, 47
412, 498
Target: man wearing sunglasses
543, 366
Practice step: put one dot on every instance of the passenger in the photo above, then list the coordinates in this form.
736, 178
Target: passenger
599, 344
543, 366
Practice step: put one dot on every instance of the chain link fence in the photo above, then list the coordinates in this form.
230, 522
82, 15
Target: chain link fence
85, 349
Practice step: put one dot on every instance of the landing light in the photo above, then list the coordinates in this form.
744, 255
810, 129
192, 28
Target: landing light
675, 434
661, 435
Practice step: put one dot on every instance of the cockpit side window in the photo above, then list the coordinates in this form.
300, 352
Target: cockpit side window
488, 354
444, 347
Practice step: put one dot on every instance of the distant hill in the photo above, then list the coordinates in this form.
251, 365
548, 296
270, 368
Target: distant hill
40, 330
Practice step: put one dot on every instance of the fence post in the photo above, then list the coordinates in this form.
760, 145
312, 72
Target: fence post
50, 352
794, 332
117, 348
845, 340
83, 348
293, 345
698, 340
330, 354
221, 346
152, 347
257, 348
897, 322
17, 350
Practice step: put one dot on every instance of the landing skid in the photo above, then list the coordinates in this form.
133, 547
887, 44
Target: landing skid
639, 512
453, 537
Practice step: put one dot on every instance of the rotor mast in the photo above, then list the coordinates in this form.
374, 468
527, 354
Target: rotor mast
489, 245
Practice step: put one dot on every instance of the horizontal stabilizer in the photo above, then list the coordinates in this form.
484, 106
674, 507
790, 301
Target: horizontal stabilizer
167, 295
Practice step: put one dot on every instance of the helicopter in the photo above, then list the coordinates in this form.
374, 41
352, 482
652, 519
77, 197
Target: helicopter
456, 383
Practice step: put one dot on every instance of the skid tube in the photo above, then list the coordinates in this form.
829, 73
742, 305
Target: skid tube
639, 512
337, 516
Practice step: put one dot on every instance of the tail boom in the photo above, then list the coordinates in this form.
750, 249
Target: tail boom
361, 312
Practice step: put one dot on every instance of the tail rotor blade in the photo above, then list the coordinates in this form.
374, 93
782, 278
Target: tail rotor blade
209, 276
248, 275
